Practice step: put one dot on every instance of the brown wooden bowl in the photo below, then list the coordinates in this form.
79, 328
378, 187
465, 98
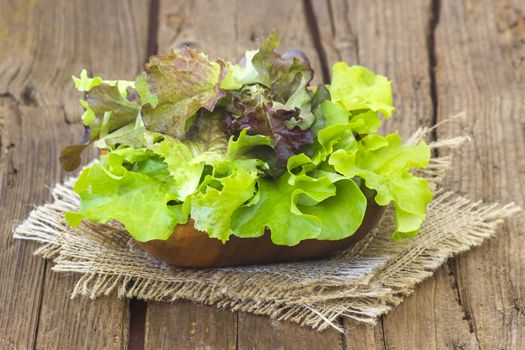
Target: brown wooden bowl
188, 247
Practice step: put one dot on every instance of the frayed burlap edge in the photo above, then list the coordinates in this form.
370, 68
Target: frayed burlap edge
361, 283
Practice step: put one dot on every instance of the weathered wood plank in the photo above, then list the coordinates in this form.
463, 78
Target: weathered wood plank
226, 29
42, 44
360, 336
480, 70
393, 38
21, 275
66, 323
185, 325
259, 332
430, 318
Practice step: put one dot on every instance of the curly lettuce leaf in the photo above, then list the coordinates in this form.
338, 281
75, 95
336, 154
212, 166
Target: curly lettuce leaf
245, 143
340, 215
250, 112
283, 74
241, 74
183, 82
245, 151
185, 172
104, 99
384, 164
275, 209
84, 83
357, 88
106, 109
140, 202
294, 212
213, 205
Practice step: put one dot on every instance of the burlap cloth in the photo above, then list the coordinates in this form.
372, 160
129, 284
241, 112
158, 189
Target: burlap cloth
361, 283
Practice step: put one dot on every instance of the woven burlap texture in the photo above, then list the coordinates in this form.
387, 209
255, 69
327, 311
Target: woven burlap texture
361, 283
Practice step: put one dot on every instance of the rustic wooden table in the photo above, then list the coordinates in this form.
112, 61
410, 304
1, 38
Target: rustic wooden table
444, 57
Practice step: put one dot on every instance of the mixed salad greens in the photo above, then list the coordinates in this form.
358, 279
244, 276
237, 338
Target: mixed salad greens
241, 148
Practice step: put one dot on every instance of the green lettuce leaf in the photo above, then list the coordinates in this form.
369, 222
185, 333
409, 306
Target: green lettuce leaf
275, 208
333, 114
357, 88
384, 164
106, 109
293, 210
342, 214
141, 203
320, 95
238, 75
144, 93
103, 99
219, 197
184, 171
246, 151
84, 83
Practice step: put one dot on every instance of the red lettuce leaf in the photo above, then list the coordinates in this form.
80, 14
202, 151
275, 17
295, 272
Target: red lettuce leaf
260, 118
184, 81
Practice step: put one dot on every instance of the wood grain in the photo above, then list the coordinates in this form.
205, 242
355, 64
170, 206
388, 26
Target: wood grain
21, 275
480, 57
430, 318
186, 325
43, 43
259, 332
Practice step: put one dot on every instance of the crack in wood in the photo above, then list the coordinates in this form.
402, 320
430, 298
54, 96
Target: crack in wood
383, 333
432, 58
137, 324
11, 174
11, 103
455, 285
331, 16
516, 306
8, 95
467, 315
433, 24
40, 305
344, 340
153, 29
236, 325
315, 34
137, 308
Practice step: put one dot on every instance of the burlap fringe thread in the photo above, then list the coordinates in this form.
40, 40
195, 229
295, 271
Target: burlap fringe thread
361, 283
